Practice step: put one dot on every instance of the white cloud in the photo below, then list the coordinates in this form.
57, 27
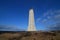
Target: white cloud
57, 16
44, 20
38, 20
50, 12
57, 11
50, 15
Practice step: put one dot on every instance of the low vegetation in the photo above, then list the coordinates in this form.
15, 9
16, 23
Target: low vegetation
52, 35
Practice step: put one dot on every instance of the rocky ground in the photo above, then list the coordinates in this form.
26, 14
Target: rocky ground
38, 35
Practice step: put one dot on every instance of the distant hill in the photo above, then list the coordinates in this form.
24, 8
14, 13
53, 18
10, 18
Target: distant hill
10, 28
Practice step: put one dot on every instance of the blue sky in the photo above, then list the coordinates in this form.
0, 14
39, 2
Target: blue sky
15, 13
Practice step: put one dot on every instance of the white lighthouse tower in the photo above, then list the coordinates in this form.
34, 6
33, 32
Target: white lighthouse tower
31, 25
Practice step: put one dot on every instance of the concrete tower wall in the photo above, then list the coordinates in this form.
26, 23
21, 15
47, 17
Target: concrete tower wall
31, 25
